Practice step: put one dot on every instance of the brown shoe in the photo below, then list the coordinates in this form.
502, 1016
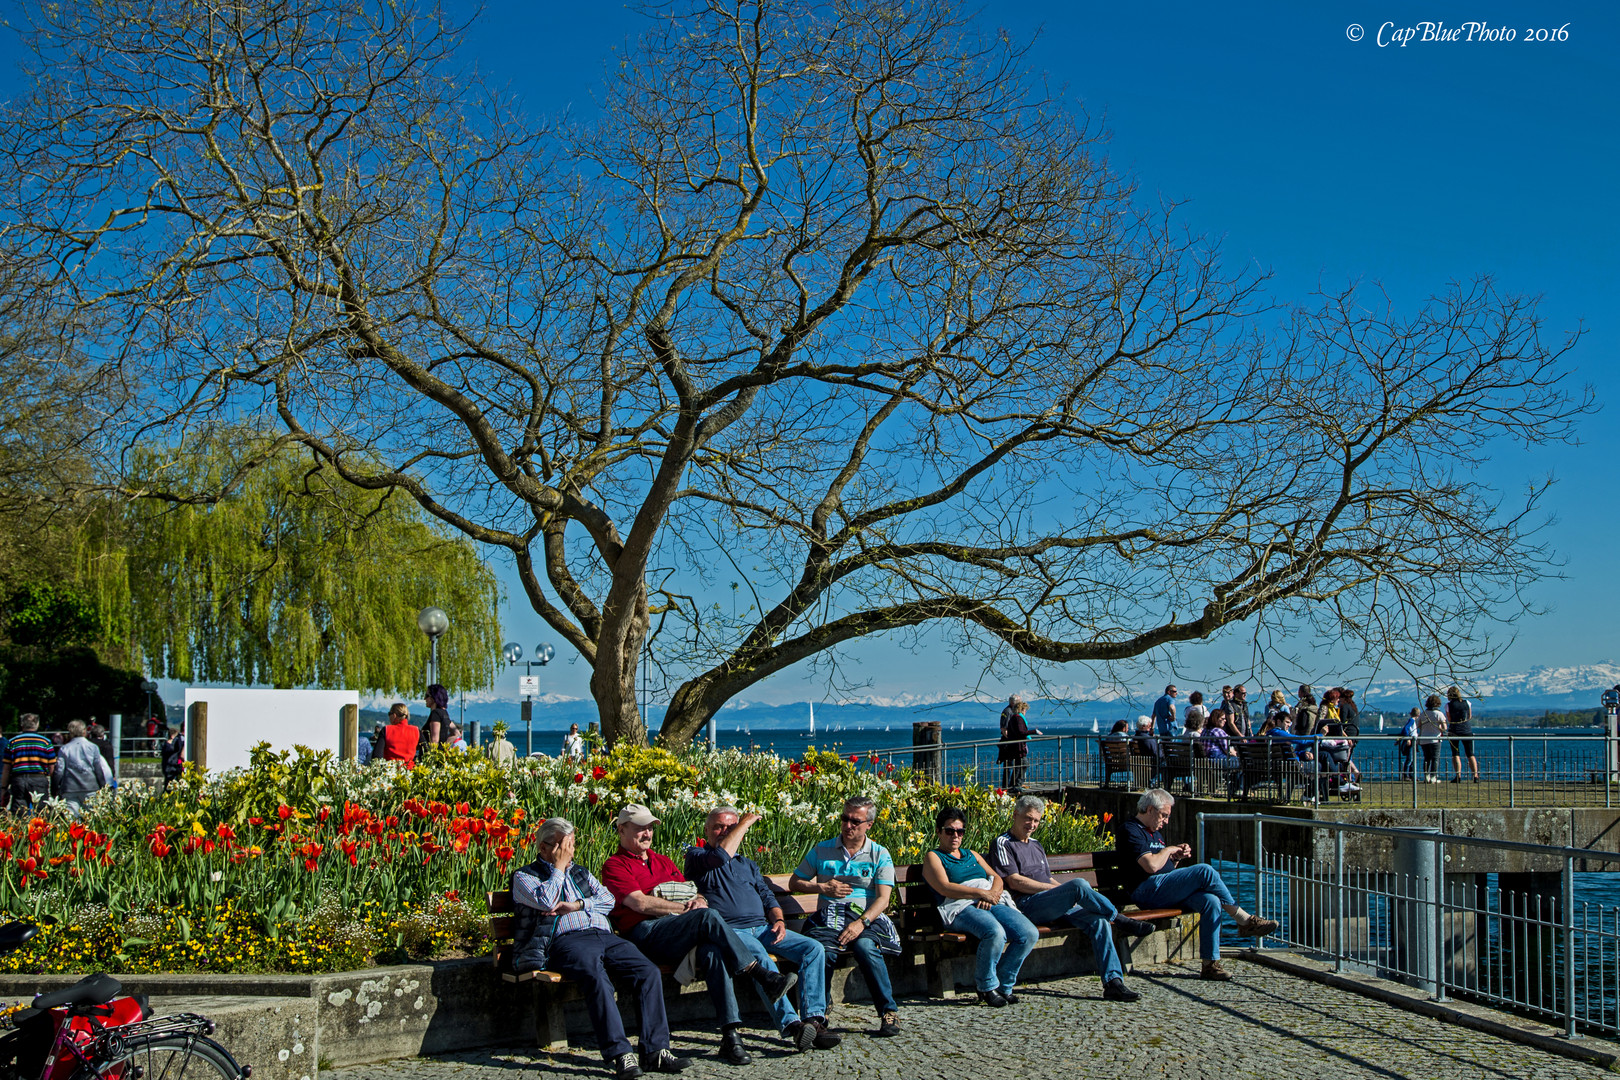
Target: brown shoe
1214, 972
1254, 926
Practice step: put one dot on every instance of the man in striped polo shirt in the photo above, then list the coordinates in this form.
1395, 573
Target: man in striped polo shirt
26, 765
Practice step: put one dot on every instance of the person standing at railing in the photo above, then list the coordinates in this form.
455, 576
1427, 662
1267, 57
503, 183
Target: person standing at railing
1431, 725
1164, 712
1460, 722
1014, 749
1196, 714
1277, 707
1240, 710
1406, 744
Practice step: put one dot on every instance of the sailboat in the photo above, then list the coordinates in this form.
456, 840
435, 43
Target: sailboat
1094, 728
885, 727
812, 718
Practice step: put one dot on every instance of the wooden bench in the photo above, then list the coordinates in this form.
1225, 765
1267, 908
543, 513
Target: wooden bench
911, 909
946, 949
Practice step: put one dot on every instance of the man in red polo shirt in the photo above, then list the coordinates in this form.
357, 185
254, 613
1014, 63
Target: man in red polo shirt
666, 918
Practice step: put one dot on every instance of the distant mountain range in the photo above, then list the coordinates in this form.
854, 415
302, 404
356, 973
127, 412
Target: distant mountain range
1557, 688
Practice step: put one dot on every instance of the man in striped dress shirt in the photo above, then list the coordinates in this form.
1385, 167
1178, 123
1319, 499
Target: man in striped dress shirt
562, 925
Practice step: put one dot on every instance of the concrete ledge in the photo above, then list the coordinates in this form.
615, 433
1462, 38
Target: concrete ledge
1465, 1014
290, 1027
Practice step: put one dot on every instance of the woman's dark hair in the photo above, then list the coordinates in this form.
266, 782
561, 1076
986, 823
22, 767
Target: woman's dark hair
949, 814
438, 697
1195, 698
1120, 725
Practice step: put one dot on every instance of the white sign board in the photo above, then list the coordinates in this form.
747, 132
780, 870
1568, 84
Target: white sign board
528, 685
239, 719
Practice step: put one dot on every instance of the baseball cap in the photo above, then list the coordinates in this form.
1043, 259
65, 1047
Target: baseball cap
636, 814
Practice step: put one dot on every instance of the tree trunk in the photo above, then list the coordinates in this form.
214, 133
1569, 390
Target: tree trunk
693, 705
613, 679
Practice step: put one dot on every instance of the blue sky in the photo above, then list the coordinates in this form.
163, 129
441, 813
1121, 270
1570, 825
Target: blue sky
1325, 161
1322, 159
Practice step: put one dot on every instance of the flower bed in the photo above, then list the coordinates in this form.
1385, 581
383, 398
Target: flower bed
303, 864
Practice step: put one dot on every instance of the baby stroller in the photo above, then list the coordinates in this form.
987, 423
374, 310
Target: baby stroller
1336, 777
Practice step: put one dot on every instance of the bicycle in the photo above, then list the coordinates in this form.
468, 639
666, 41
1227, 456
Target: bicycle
92, 1031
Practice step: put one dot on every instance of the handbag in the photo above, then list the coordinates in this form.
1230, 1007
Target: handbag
828, 924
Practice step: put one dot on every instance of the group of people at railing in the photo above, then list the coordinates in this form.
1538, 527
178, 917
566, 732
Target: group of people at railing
1321, 734
722, 920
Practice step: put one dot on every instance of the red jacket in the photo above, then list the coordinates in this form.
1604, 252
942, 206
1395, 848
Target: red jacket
399, 743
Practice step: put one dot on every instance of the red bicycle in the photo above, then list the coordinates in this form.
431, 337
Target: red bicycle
93, 1031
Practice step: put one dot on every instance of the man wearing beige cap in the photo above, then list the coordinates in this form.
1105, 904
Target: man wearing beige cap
665, 917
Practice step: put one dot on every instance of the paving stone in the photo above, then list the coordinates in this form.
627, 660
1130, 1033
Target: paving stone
1263, 1025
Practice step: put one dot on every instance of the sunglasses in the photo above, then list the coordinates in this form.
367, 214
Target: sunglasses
953, 832
854, 820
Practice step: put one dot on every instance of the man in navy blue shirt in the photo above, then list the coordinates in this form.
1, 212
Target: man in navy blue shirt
736, 890
1164, 712
1152, 880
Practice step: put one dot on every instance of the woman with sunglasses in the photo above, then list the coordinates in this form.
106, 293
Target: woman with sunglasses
972, 900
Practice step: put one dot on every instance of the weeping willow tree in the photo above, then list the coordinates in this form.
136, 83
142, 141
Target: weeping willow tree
281, 574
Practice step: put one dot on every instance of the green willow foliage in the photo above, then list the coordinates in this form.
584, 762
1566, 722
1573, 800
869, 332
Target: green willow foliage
292, 578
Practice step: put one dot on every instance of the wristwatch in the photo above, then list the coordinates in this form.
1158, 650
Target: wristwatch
865, 921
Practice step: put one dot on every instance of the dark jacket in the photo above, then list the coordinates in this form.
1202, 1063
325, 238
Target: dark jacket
533, 930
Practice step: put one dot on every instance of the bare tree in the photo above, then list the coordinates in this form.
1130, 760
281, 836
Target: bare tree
839, 290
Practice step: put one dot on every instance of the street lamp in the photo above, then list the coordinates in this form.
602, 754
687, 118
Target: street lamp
433, 622
528, 684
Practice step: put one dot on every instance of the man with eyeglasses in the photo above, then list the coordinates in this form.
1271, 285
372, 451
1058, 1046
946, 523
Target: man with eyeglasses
854, 877
666, 917
1021, 861
1152, 880
733, 885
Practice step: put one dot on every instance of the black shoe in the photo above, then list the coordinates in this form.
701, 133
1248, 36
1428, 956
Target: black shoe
826, 1037
1133, 927
890, 1026
1456, 779
774, 983
801, 1035
992, 998
1010, 998
731, 1050
1116, 990
663, 1061
625, 1067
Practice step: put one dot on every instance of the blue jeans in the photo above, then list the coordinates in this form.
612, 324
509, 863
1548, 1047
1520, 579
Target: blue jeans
870, 960
806, 952
1192, 888
1006, 938
1076, 903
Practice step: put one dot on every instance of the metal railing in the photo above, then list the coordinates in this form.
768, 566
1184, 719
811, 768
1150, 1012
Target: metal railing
1514, 770
1048, 760
1522, 940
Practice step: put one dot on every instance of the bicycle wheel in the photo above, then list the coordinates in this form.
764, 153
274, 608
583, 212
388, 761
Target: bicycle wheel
171, 1057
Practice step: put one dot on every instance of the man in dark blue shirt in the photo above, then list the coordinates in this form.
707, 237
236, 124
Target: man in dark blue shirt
735, 889
1152, 880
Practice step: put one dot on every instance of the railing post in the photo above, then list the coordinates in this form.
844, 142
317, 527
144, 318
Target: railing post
1512, 779
1259, 882
1417, 756
1059, 777
1338, 900
1568, 902
1438, 893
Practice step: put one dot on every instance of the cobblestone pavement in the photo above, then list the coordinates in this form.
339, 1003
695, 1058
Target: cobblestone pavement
1264, 1025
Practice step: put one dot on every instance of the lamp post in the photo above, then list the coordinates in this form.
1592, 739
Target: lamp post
433, 622
529, 684
1611, 707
